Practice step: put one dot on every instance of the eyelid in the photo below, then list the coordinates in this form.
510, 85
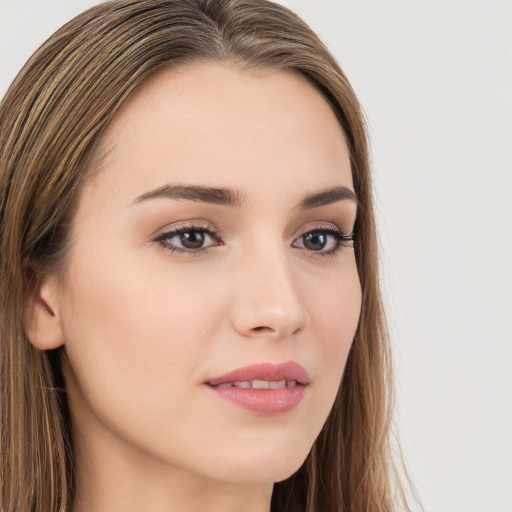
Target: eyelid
324, 226
186, 225
344, 238
317, 225
176, 229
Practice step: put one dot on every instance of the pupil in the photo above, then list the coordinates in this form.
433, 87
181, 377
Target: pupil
315, 241
192, 239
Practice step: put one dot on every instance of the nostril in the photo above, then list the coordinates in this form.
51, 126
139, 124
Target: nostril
260, 328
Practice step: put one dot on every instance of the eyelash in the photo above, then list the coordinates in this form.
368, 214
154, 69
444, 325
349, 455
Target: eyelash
180, 230
342, 239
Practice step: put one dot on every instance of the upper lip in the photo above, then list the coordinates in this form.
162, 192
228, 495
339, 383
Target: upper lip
265, 371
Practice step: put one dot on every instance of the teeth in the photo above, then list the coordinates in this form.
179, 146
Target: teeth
277, 384
260, 384
244, 384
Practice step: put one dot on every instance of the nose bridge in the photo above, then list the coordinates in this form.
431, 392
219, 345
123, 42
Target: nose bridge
268, 297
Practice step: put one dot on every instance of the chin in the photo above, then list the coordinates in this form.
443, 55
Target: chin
266, 463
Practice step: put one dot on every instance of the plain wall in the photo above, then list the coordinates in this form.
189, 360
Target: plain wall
435, 80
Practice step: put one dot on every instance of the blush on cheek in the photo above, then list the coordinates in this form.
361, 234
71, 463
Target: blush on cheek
338, 320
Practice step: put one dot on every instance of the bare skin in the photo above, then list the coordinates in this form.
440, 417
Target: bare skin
148, 318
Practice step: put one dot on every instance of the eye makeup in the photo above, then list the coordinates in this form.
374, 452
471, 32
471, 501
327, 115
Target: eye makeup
197, 239
324, 241
192, 238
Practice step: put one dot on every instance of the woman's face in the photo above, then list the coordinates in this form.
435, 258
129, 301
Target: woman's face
215, 237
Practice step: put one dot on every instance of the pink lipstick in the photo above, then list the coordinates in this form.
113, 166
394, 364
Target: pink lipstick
264, 388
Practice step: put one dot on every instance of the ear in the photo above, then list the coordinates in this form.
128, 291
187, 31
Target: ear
43, 325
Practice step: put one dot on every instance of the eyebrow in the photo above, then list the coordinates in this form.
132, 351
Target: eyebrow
197, 193
229, 197
327, 197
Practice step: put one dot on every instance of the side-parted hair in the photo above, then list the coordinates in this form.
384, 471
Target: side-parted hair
51, 121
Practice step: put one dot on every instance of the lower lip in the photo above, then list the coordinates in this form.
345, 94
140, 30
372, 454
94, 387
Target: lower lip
263, 401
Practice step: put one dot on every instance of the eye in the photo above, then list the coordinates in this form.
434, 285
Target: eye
188, 239
324, 240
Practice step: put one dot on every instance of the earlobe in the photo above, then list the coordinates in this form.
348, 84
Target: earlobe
43, 325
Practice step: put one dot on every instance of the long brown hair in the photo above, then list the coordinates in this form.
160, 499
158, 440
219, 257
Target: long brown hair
51, 120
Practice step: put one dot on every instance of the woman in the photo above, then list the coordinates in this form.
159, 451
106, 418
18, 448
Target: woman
191, 317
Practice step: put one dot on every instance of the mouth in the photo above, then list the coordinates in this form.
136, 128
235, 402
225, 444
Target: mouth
257, 376
259, 384
265, 388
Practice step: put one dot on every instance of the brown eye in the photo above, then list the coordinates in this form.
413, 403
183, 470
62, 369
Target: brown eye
192, 239
185, 239
315, 241
324, 241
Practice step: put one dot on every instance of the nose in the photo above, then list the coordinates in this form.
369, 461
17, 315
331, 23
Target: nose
269, 300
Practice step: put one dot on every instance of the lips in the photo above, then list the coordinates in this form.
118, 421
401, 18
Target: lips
264, 388
269, 372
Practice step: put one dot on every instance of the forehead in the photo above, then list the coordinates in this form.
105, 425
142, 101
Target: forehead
214, 124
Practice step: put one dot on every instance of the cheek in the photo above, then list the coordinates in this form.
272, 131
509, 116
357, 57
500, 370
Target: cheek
335, 311
335, 306
134, 336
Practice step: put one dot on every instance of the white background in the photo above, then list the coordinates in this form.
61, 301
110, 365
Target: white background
435, 80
